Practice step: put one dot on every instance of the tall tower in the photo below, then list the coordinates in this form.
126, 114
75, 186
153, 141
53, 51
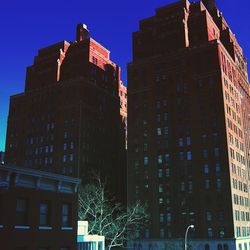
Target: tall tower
188, 129
68, 119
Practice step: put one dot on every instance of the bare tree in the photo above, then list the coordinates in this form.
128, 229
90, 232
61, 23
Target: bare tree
107, 217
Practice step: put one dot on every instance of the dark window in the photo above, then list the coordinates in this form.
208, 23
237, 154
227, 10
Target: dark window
66, 215
21, 212
44, 214
219, 247
207, 247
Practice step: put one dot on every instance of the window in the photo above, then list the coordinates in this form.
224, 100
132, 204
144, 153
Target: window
160, 174
162, 233
216, 152
180, 142
160, 188
209, 216
161, 217
188, 141
145, 160
159, 159
21, 212
66, 215
158, 131
158, 118
169, 217
64, 158
71, 145
158, 104
218, 184
71, 157
206, 169
181, 156
217, 167
207, 184
205, 153
210, 232
44, 214
165, 130
64, 146
189, 155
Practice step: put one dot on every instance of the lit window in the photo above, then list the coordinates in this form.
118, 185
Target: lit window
161, 217
160, 174
165, 130
64, 146
159, 159
169, 217
210, 232
180, 142
71, 145
217, 167
145, 161
158, 131
209, 216
167, 172
160, 200
189, 155
65, 135
64, 158
160, 188
71, 157
188, 141
206, 169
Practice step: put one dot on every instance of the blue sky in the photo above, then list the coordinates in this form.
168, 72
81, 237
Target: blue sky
27, 26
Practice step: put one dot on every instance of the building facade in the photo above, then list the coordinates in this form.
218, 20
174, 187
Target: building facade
68, 119
38, 210
188, 129
123, 107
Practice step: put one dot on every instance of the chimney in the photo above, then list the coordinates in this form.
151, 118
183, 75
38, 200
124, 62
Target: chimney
82, 32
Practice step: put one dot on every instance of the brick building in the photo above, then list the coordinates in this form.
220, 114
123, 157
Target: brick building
123, 106
188, 129
38, 210
68, 119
